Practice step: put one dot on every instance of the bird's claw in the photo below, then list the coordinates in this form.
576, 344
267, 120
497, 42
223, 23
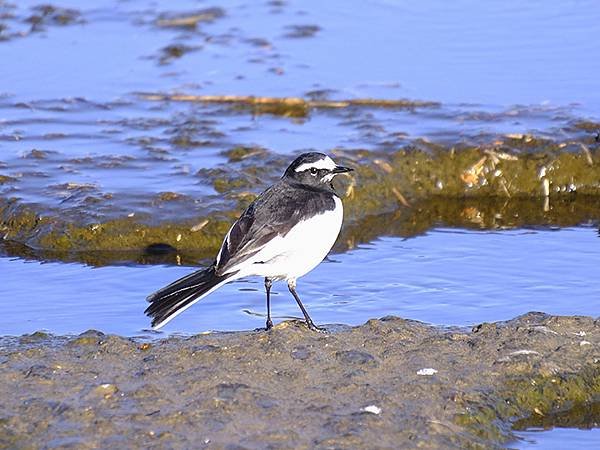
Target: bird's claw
311, 326
268, 326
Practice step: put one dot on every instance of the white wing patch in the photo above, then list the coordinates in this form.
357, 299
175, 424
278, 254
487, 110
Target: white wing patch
323, 163
224, 244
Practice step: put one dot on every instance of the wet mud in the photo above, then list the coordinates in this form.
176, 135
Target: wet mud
388, 383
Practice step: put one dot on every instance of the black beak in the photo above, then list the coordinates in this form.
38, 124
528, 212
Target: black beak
341, 169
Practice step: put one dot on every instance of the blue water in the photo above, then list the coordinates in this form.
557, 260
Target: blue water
558, 439
445, 277
493, 53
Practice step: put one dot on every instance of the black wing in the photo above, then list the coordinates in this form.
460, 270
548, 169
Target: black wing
274, 213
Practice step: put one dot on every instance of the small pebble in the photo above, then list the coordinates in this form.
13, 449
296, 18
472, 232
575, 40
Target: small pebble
427, 371
372, 409
106, 390
524, 352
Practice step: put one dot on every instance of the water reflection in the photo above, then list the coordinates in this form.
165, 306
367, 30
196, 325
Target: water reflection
493, 214
582, 416
557, 439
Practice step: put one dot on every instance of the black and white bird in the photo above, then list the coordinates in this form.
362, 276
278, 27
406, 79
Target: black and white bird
284, 234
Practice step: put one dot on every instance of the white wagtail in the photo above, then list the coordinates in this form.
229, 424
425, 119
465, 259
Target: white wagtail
285, 233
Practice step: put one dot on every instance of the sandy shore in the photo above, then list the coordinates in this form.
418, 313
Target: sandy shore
385, 384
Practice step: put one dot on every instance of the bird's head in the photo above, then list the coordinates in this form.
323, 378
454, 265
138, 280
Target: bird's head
315, 170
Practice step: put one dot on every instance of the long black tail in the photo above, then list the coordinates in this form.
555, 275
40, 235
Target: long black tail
173, 299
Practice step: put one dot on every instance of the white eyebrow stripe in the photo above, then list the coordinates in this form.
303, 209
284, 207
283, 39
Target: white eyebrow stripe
323, 163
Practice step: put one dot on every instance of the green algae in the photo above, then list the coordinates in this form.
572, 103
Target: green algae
241, 152
192, 240
189, 20
414, 174
293, 110
403, 193
475, 171
129, 234
101, 243
49, 14
581, 415
472, 213
223, 185
175, 51
542, 395
527, 400
292, 107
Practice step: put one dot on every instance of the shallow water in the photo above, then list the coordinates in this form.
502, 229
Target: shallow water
558, 439
445, 277
494, 53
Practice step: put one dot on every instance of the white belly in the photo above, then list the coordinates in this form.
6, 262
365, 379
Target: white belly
301, 250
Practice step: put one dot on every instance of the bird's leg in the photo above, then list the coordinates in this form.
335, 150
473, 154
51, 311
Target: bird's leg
268, 284
309, 322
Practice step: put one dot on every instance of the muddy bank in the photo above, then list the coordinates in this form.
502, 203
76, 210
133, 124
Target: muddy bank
387, 383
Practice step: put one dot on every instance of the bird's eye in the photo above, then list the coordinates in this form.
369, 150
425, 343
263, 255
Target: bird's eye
313, 171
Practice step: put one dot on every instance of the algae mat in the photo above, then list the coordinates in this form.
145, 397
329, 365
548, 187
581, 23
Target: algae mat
404, 192
386, 384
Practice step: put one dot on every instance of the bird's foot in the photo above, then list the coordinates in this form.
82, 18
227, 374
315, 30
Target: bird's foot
311, 326
267, 327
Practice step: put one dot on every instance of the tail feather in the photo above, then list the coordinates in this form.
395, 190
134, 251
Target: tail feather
173, 299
